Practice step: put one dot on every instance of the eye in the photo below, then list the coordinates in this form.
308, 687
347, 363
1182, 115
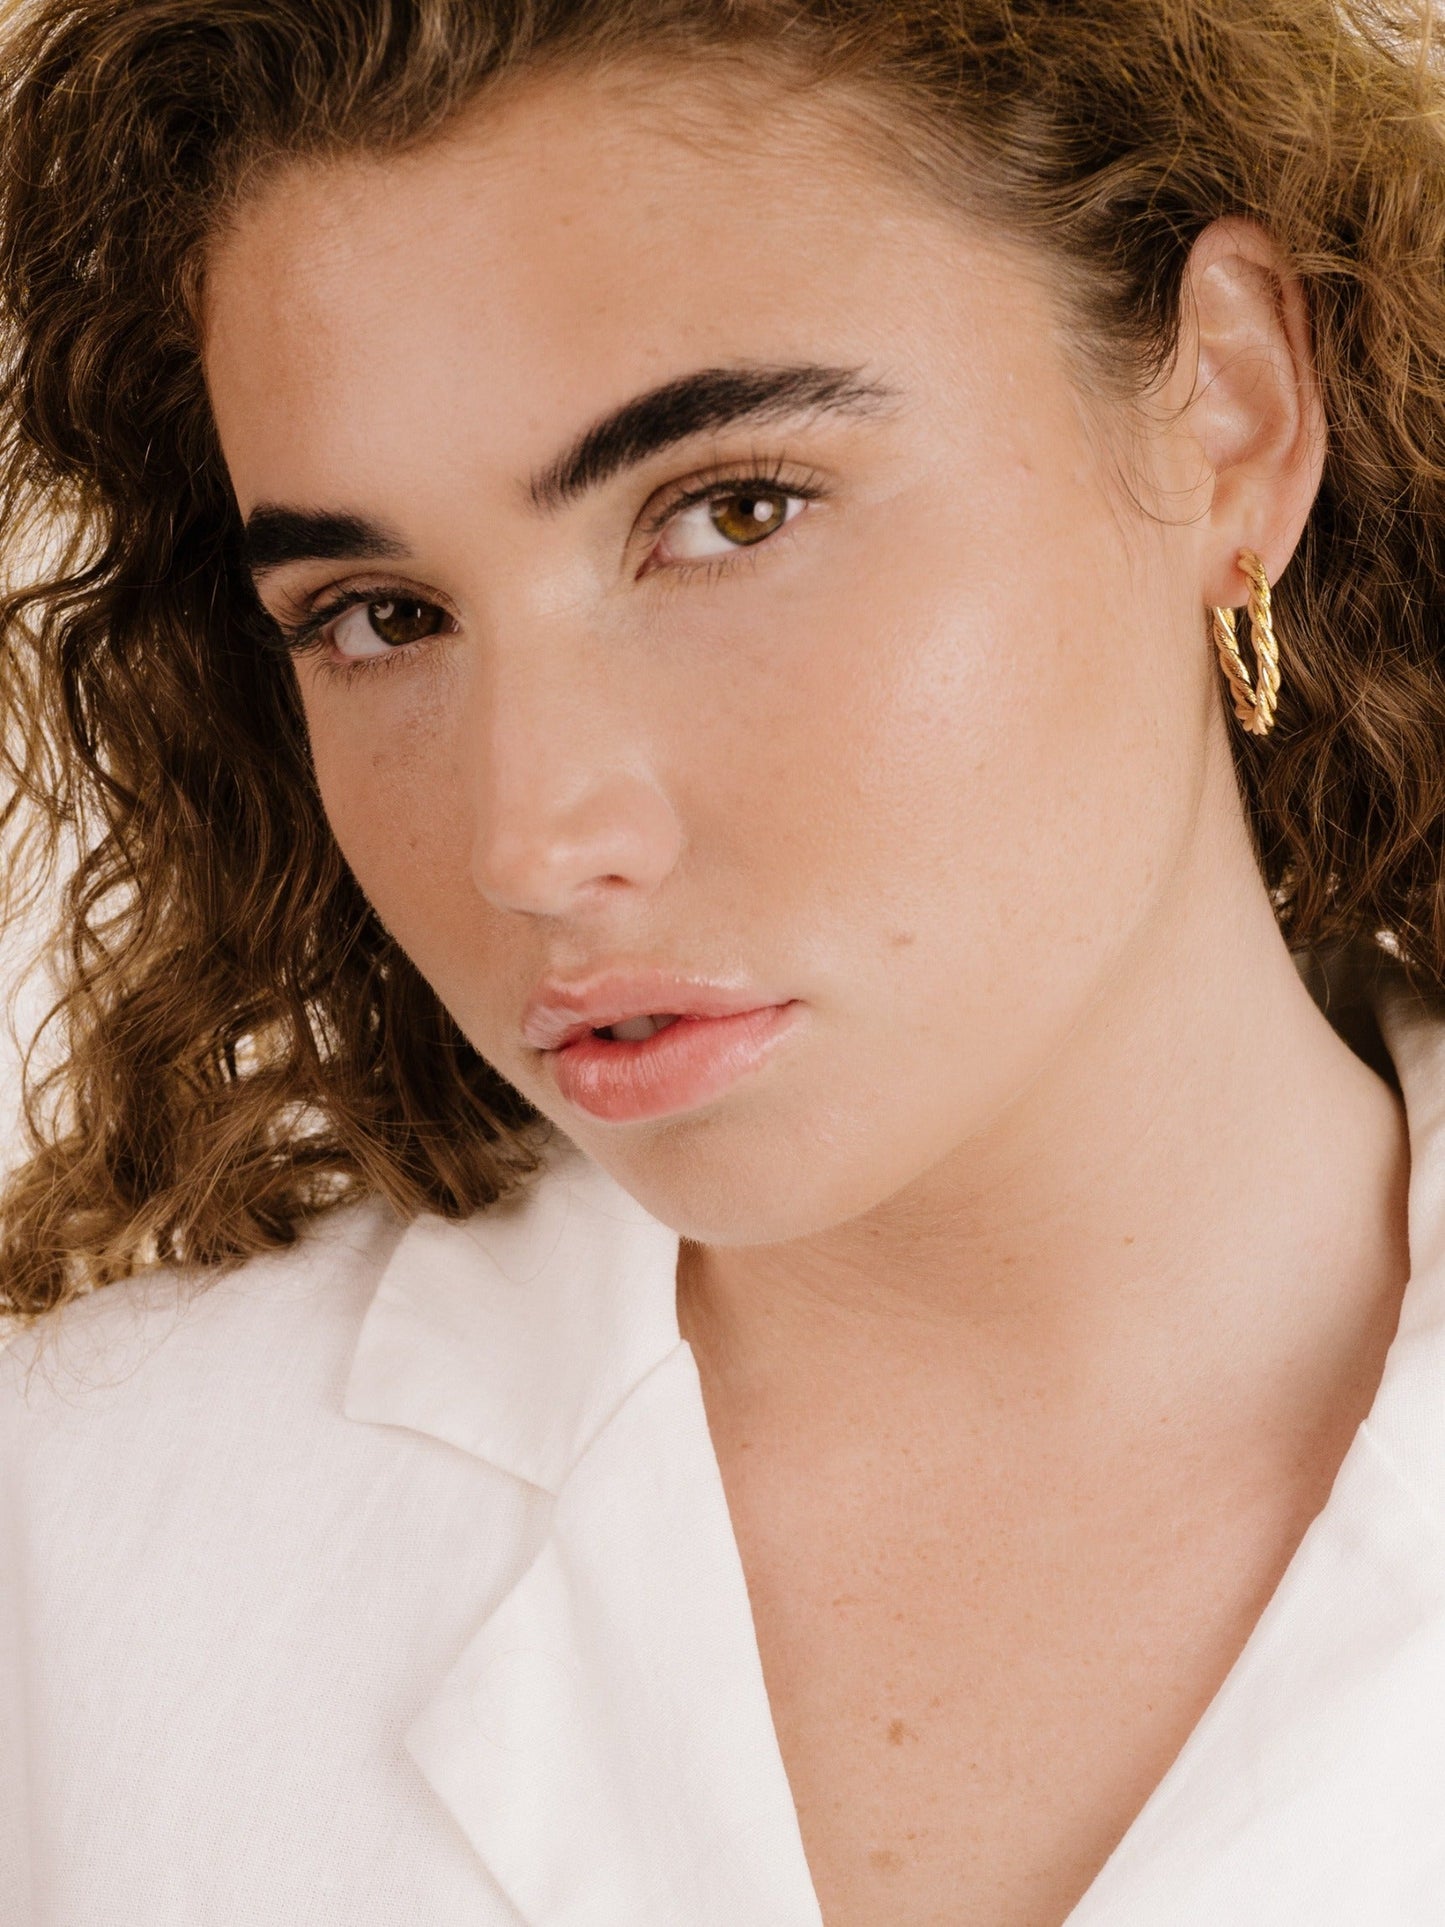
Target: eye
735, 518
383, 624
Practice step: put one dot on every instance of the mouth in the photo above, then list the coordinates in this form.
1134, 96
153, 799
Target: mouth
636, 1030
624, 1044
665, 1063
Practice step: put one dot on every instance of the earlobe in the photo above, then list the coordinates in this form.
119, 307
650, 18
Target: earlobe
1256, 407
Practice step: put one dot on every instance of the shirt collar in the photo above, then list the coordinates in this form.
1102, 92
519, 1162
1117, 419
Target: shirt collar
604, 1739
517, 1334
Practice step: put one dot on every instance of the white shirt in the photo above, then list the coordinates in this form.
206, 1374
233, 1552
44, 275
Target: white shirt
390, 1580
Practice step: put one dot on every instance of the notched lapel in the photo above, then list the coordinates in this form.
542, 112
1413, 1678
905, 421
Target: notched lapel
605, 1741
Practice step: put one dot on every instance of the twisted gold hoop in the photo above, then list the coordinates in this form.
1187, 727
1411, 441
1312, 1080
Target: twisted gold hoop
1254, 702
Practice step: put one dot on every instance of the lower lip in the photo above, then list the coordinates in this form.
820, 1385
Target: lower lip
675, 1069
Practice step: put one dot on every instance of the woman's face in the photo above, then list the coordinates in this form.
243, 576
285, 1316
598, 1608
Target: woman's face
849, 676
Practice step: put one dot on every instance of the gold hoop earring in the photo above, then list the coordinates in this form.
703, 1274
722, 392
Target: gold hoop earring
1254, 702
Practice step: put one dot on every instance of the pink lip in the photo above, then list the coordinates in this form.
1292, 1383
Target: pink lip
722, 1032
675, 1069
557, 1012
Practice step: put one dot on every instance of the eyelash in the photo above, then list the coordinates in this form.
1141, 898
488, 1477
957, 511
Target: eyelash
771, 475
296, 638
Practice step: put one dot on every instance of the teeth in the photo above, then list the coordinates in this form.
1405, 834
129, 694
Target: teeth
635, 1030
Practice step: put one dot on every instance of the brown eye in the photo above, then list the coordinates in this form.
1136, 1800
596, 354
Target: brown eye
749, 515
739, 516
397, 620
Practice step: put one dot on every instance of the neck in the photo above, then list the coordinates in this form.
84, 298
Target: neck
1203, 1196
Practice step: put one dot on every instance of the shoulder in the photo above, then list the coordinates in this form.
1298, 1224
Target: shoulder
175, 1340
186, 1437
203, 1553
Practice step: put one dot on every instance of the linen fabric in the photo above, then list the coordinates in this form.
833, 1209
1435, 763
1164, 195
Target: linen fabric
390, 1580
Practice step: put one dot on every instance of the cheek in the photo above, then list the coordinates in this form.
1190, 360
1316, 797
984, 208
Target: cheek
951, 736
385, 772
992, 774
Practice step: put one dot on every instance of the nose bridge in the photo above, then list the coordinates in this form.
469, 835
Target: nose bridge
562, 786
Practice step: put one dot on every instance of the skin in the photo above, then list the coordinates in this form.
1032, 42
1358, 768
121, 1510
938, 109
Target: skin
1039, 1283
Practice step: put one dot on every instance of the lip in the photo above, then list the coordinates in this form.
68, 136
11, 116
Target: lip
558, 1013
676, 1069
723, 1031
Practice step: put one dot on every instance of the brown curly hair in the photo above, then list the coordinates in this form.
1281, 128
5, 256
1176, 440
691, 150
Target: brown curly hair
238, 1042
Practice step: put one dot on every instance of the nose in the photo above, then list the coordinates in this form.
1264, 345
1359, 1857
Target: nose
567, 807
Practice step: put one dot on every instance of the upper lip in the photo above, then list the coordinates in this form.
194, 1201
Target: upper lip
558, 1013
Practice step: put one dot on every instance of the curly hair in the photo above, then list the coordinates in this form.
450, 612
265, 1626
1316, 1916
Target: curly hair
238, 1043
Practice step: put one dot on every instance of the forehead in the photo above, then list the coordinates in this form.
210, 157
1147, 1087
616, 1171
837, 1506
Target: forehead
581, 240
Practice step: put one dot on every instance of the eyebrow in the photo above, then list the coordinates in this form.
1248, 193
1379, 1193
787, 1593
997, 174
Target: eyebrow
275, 536
699, 403
695, 404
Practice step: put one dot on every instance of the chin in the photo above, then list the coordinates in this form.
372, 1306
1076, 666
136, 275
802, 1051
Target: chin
732, 1181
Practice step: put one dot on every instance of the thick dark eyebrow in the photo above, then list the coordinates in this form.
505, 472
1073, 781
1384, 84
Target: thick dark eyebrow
275, 536
695, 404
699, 403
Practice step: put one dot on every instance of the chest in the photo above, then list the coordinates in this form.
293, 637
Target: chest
974, 1694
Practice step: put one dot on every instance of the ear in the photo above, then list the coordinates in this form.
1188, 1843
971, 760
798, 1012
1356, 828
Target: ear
1253, 401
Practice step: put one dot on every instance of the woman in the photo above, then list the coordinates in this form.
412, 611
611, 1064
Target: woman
750, 1054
